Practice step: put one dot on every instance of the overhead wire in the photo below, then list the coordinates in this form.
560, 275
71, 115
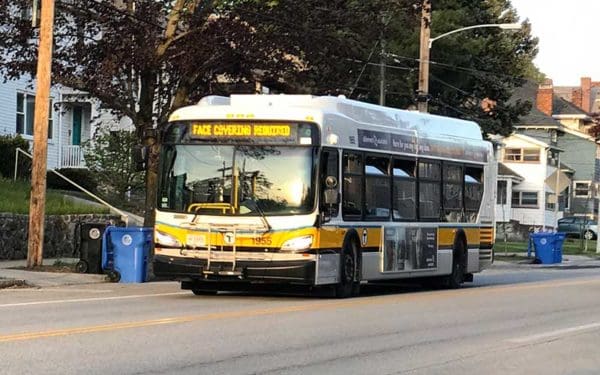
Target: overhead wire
301, 28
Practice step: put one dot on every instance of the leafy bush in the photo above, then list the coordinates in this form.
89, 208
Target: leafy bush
8, 147
109, 156
81, 176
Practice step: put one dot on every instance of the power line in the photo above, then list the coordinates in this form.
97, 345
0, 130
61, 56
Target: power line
81, 7
363, 68
471, 70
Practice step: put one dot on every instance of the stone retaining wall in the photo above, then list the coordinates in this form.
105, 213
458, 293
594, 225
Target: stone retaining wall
59, 233
514, 231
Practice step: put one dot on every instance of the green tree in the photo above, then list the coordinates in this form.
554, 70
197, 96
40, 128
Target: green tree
145, 58
466, 69
109, 156
141, 58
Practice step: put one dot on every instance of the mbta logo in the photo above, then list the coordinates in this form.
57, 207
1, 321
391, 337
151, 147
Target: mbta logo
229, 238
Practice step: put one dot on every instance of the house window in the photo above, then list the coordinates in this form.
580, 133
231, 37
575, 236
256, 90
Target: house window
528, 199
501, 192
550, 201
512, 154
582, 189
564, 200
25, 115
527, 155
552, 158
531, 154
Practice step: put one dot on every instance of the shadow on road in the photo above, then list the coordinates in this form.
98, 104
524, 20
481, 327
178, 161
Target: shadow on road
366, 290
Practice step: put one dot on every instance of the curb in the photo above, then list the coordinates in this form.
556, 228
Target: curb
572, 267
9, 283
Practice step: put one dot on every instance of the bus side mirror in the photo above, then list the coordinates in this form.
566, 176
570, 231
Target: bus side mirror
331, 194
139, 157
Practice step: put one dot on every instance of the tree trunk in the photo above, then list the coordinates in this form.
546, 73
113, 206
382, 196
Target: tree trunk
151, 180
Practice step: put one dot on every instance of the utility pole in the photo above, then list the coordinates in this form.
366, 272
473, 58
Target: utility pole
423, 93
384, 23
40, 138
382, 74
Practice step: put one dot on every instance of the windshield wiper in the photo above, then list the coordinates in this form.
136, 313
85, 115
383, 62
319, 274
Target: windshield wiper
254, 206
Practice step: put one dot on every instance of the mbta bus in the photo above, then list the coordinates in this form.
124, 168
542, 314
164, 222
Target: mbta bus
320, 191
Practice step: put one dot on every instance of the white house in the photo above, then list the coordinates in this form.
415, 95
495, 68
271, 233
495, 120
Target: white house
527, 181
74, 119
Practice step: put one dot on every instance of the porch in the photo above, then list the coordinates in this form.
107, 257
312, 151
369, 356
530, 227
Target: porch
71, 157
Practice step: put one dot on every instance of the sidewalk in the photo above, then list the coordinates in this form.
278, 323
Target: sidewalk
14, 278
568, 262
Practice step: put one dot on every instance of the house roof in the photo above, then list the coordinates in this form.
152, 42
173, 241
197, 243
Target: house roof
579, 134
566, 168
536, 141
503, 170
561, 106
535, 117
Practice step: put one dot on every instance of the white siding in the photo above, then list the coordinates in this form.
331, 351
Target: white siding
534, 175
8, 116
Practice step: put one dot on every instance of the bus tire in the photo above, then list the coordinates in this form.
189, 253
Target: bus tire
348, 286
457, 276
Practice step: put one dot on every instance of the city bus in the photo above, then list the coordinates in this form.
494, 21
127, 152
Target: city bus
324, 192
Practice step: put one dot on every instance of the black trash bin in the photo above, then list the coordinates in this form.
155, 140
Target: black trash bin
90, 247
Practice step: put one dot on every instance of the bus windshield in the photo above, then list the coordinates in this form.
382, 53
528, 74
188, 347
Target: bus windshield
237, 179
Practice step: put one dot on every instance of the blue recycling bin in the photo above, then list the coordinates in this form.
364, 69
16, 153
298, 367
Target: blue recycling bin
559, 240
543, 243
125, 253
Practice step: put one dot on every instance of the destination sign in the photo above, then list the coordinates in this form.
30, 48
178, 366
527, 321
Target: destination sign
236, 130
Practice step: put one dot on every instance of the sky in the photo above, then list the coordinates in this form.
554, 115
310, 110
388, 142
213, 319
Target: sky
567, 32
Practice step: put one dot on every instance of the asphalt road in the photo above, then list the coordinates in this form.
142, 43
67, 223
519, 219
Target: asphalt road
507, 322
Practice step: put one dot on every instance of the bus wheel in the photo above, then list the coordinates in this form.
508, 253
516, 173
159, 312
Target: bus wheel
346, 285
456, 278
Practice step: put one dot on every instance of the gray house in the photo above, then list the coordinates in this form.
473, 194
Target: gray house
580, 156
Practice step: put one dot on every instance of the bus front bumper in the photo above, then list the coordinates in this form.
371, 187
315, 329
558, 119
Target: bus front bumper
250, 271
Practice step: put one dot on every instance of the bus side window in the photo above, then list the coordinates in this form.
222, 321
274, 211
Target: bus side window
453, 193
329, 168
404, 196
352, 186
430, 179
473, 192
377, 187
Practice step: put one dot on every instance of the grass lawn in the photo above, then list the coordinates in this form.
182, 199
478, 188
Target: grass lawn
571, 246
14, 198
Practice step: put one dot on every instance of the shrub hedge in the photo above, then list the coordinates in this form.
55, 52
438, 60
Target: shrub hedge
8, 147
81, 176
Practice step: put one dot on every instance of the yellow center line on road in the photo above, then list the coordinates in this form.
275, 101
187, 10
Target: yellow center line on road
326, 305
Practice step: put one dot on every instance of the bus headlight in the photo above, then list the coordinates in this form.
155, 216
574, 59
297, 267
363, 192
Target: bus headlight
163, 239
298, 243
